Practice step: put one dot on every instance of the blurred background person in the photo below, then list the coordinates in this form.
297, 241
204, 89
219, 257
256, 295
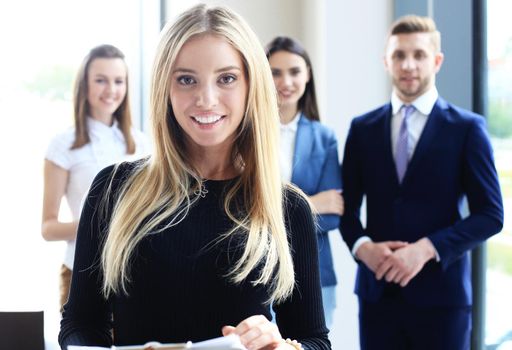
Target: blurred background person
309, 151
102, 135
415, 159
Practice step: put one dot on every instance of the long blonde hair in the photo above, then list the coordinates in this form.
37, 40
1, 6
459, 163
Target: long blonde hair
166, 185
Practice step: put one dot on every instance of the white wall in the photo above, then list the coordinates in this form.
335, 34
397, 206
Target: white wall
345, 40
355, 82
267, 18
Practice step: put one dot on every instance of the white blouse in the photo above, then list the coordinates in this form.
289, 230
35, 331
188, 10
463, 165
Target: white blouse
287, 147
107, 147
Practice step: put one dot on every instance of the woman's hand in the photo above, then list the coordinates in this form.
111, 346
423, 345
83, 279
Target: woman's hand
258, 333
328, 202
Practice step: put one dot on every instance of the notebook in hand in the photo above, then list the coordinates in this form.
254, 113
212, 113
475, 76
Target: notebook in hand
230, 342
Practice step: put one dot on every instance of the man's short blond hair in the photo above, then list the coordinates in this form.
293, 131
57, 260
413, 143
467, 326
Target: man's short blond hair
417, 24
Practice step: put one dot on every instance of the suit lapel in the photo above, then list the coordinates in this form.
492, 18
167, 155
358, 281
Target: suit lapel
302, 152
387, 147
430, 132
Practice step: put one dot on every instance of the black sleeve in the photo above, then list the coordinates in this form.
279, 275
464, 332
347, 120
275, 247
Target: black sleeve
87, 318
301, 317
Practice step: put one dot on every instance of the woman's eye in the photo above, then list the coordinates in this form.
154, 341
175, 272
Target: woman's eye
227, 79
276, 73
186, 80
119, 81
99, 81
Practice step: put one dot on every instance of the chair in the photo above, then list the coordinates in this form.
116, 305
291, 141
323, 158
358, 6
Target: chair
22, 330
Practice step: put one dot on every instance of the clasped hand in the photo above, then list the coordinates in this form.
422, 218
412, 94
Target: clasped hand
396, 261
328, 202
258, 333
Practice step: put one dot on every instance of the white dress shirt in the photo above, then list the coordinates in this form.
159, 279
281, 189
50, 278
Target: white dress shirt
423, 106
287, 147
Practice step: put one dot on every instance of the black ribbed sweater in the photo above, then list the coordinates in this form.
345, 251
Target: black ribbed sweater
178, 289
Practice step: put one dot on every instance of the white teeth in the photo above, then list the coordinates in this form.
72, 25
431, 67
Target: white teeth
207, 119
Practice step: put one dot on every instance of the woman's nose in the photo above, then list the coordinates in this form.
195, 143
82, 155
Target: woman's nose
207, 97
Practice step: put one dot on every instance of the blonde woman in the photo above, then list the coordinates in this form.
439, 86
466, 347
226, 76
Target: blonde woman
194, 242
102, 135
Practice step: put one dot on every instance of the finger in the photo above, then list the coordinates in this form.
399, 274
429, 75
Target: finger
227, 330
262, 336
383, 269
405, 281
398, 277
249, 338
395, 244
265, 341
249, 323
398, 269
392, 273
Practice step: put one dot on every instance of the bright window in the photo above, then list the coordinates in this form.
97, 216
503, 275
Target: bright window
43, 43
499, 263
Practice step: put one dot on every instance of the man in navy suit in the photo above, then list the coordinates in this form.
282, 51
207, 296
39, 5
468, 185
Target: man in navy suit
415, 159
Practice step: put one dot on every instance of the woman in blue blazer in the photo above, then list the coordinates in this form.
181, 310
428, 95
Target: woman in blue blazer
309, 150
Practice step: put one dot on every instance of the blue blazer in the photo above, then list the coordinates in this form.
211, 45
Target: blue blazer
453, 159
316, 168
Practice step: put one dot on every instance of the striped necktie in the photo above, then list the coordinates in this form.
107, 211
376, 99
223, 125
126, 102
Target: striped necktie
402, 143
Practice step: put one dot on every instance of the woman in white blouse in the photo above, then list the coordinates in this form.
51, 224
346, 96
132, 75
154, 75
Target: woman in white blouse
102, 135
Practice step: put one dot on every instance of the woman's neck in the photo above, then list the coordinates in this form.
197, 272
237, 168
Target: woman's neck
217, 171
214, 164
287, 113
107, 119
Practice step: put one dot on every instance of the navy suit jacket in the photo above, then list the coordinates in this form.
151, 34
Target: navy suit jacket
453, 159
316, 168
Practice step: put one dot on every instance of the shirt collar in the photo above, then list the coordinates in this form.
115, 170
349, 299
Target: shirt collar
293, 124
423, 103
100, 129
